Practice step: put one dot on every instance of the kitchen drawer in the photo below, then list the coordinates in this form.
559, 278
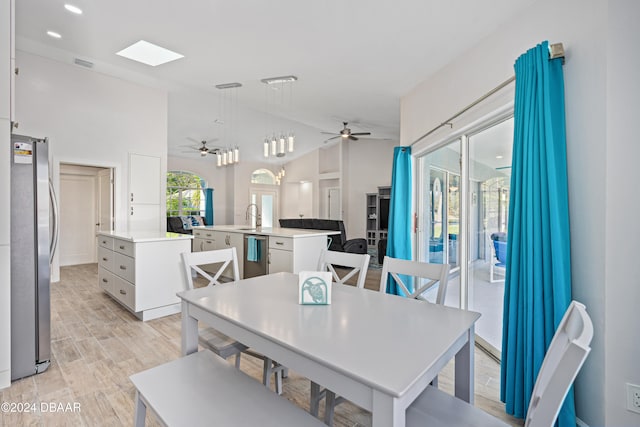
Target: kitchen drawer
205, 234
281, 243
124, 266
105, 242
125, 292
124, 247
105, 279
105, 258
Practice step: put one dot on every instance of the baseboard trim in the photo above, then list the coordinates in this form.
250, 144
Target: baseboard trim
5, 379
581, 423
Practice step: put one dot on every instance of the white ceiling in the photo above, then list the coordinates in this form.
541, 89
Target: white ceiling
354, 59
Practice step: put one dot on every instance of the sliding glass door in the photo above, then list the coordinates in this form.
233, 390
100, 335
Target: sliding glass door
440, 206
476, 220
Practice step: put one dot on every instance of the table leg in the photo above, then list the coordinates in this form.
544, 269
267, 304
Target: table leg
189, 331
386, 411
464, 369
140, 411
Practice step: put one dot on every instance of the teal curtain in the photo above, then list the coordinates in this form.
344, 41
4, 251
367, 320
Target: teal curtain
538, 281
208, 206
399, 233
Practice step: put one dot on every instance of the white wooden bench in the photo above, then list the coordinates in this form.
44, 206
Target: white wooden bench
204, 390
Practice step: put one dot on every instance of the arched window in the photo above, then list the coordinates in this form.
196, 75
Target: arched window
185, 194
263, 176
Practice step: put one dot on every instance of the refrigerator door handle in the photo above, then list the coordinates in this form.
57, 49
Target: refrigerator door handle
53, 244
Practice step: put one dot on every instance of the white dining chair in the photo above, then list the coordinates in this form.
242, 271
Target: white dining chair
567, 352
431, 275
353, 264
210, 338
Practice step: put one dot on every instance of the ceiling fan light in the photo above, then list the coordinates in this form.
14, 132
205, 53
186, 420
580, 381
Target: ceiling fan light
224, 158
274, 146
266, 147
219, 156
236, 154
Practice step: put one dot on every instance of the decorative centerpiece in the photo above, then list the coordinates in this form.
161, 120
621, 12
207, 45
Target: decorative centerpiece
314, 287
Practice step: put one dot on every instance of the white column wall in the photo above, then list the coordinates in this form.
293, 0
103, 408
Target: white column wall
369, 167
622, 201
5, 210
582, 27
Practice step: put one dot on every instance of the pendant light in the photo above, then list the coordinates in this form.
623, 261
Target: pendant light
229, 112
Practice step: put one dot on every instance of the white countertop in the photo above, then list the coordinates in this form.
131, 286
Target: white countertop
144, 236
266, 231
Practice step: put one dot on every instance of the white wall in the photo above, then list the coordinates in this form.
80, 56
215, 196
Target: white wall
621, 284
5, 211
301, 198
595, 191
368, 167
91, 119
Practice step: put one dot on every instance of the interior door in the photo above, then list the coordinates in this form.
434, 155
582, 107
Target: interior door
105, 200
77, 219
264, 206
334, 203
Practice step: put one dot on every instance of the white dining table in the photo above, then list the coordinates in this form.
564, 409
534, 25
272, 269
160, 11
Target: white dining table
379, 351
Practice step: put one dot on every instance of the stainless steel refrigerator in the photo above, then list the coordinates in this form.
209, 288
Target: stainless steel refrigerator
32, 245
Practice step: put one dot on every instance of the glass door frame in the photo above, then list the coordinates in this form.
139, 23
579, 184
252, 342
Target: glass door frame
461, 135
258, 191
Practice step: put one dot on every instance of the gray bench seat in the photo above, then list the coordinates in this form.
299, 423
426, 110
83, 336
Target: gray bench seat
204, 390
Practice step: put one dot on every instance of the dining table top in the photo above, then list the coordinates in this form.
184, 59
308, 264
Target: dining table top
360, 334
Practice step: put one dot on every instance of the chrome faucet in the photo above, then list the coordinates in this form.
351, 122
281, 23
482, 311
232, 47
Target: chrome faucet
249, 214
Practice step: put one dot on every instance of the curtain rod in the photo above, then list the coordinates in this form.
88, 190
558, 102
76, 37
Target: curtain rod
556, 50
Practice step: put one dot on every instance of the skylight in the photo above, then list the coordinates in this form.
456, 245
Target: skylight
149, 53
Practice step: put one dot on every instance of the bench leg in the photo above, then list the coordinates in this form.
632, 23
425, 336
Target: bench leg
329, 407
316, 397
140, 411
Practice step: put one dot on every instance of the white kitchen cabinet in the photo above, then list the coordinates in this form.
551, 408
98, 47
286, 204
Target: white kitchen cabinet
289, 249
225, 240
144, 179
203, 240
142, 271
144, 193
279, 261
295, 254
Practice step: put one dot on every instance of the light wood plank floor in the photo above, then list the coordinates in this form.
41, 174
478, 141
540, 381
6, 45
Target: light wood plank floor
97, 345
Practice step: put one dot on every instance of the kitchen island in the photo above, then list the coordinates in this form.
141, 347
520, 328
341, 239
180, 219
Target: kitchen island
282, 249
143, 271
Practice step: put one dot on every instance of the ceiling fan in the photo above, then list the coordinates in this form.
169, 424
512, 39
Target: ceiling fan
346, 133
203, 149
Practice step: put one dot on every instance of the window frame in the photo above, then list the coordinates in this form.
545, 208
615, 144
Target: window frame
182, 191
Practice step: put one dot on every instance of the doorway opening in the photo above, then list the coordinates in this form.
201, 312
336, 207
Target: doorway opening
86, 199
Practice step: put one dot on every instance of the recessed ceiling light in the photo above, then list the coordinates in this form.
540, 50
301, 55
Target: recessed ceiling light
73, 9
54, 34
498, 157
149, 53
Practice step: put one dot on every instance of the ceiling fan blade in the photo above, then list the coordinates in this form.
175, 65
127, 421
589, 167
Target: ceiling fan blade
329, 133
330, 139
211, 140
353, 138
193, 140
361, 133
